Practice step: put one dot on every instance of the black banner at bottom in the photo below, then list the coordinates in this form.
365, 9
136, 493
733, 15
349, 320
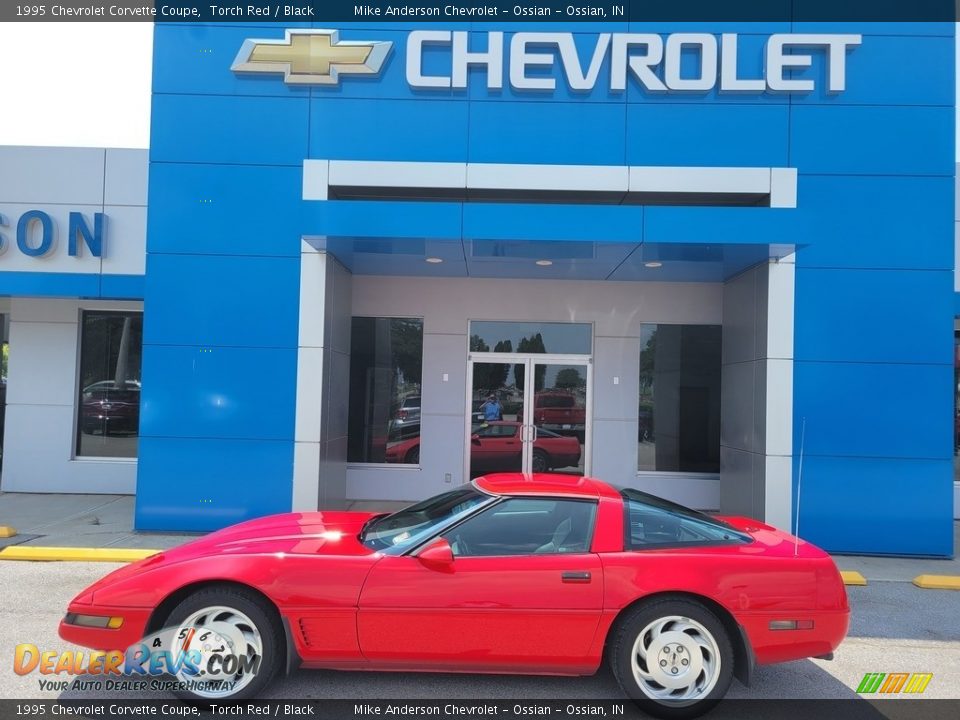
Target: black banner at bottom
847, 709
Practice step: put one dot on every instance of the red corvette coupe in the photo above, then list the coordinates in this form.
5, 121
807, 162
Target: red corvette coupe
512, 573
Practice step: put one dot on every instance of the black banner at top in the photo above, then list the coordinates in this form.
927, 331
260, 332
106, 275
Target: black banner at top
343, 11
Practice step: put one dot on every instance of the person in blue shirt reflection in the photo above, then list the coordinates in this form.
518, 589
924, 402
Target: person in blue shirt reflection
492, 409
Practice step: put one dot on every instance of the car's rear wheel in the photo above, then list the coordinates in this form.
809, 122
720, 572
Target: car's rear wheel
413, 457
673, 658
541, 463
238, 641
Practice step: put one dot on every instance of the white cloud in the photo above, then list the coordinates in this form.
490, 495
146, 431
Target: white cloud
82, 84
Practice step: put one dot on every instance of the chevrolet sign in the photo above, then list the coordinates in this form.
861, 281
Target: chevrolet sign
318, 57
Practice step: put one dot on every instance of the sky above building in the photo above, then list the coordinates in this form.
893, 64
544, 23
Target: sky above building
80, 84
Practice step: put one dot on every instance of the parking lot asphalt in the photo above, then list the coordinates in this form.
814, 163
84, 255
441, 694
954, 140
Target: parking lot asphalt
895, 627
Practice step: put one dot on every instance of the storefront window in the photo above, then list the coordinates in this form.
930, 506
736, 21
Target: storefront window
386, 360
956, 407
531, 337
109, 406
679, 413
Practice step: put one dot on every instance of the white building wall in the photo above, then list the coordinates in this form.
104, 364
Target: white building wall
42, 398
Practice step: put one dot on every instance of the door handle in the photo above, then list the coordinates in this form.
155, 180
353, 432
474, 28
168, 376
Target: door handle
570, 576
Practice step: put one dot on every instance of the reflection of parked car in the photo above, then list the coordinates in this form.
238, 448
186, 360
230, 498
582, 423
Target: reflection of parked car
558, 410
403, 443
679, 603
408, 412
109, 408
496, 445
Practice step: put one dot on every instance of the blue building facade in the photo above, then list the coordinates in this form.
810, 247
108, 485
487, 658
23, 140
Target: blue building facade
824, 215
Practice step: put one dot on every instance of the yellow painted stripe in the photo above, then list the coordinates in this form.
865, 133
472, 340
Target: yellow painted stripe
7, 531
70, 554
937, 582
852, 577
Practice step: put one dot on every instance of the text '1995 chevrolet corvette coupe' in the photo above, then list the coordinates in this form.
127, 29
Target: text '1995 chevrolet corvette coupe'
511, 573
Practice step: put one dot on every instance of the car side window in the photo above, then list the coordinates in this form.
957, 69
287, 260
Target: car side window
526, 526
653, 523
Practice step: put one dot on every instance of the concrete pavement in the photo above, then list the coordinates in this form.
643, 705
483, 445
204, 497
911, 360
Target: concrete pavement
895, 628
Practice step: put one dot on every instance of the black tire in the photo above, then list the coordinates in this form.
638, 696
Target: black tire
263, 615
541, 461
626, 633
413, 456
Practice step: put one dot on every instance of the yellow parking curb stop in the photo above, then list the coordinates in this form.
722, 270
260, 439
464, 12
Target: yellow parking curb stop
852, 577
7, 532
937, 582
70, 554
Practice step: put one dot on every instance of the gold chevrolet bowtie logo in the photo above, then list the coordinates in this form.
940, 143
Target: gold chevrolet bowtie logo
311, 57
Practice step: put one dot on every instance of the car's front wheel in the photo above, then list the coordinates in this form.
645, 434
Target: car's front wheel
673, 658
236, 641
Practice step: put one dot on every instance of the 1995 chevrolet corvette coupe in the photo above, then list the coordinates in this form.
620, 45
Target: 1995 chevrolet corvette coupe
512, 573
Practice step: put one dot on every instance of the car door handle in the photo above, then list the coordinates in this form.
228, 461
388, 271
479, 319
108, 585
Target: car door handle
570, 576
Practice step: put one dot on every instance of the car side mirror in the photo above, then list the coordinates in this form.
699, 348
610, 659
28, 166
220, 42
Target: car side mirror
475, 439
438, 555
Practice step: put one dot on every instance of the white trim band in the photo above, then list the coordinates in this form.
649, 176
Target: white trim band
614, 182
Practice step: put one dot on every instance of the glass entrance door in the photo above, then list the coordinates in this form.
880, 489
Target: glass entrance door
528, 415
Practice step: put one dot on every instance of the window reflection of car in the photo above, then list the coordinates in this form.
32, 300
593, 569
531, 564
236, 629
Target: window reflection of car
496, 445
109, 408
559, 410
645, 425
408, 411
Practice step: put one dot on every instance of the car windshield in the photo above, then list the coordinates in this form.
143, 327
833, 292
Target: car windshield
409, 526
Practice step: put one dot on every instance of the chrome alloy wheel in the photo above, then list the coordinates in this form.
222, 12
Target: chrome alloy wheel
223, 631
675, 661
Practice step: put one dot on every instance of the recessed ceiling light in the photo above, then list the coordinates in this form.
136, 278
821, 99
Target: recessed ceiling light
653, 264
544, 263
434, 260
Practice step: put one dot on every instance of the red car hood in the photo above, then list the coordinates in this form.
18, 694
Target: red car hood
311, 533
316, 533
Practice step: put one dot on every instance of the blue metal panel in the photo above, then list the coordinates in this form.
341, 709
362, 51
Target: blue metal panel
892, 316
197, 59
218, 392
42, 284
225, 209
711, 135
122, 286
884, 71
185, 484
877, 506
346, 129
877, 222
883, 140
547, 132
220, 129
596, 223
729, 225
384, 219
222, 300
894, 29
878, 410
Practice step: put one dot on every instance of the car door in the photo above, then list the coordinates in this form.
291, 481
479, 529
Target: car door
522, 592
